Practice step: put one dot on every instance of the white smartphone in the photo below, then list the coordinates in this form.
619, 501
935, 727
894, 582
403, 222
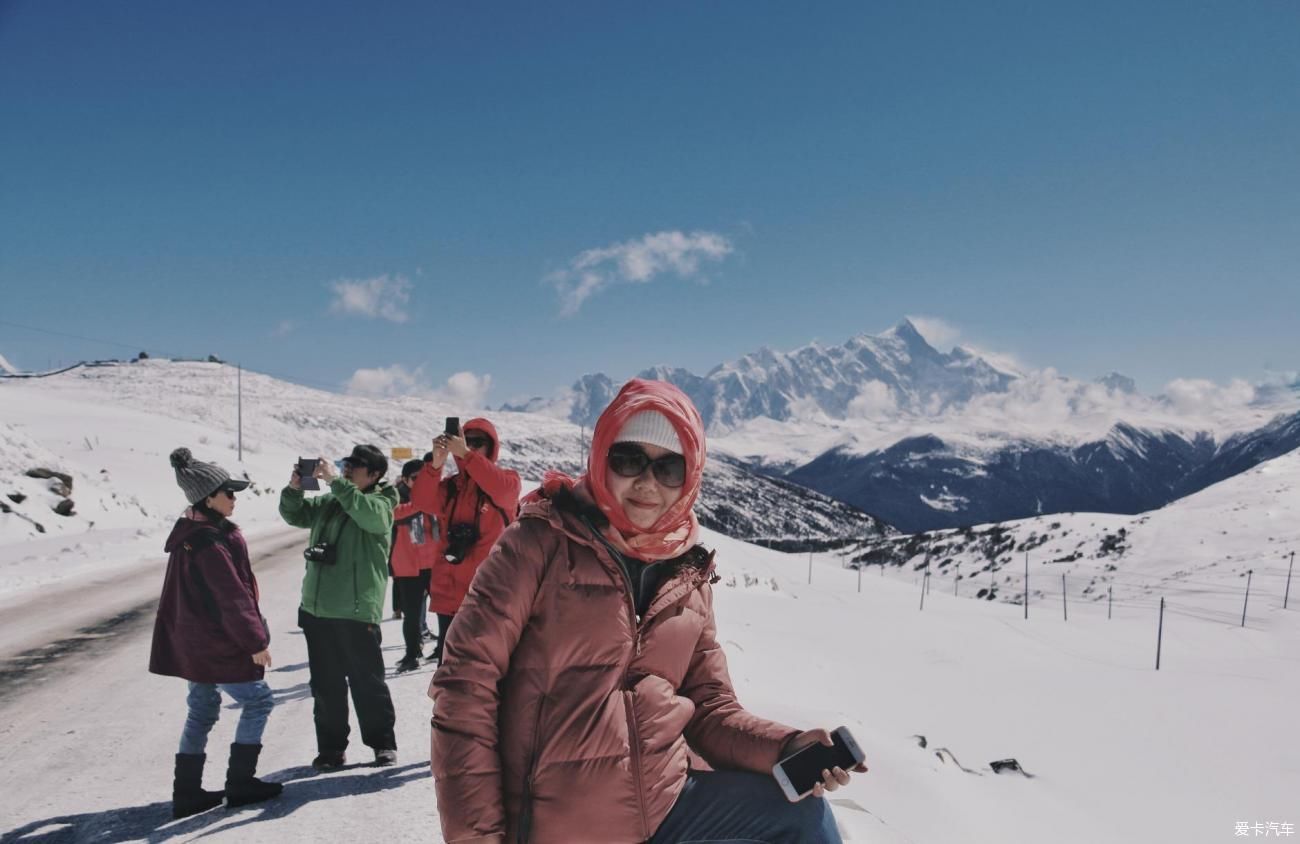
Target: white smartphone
799, 773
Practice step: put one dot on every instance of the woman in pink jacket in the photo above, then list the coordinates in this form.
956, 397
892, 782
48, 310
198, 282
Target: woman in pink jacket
583, 681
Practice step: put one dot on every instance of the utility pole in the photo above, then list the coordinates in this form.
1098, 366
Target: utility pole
239, 408
1160, 632
956, 578
1110, 600
925, 582
1287, 596
1249, 573
810, 568
859, 578
1065, 610
1026, 586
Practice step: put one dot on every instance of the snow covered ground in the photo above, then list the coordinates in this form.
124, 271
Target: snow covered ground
1199, 553
1117, 751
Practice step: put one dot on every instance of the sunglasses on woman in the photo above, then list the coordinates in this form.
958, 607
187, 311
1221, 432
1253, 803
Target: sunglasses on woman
628, 460
478, 442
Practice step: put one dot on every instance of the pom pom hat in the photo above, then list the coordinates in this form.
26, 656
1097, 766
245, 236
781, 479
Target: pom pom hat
198, 480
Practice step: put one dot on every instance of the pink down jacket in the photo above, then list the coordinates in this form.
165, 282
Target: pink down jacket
557, 716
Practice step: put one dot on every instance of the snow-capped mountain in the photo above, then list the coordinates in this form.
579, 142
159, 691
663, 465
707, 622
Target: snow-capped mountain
898, 368
1196, 551
926, 440
93, 442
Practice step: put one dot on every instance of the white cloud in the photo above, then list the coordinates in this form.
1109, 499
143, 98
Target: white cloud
463, 389
1197, 395
381, 297
284, 329
636, 262
388, 382
937, 332
874, 400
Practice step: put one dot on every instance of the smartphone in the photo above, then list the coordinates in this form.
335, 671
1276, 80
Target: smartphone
306, 469
798, 774
453, 426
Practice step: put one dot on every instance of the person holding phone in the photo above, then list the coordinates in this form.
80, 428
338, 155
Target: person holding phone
415, 540
343, 600
584, 673
473, 508
210, 631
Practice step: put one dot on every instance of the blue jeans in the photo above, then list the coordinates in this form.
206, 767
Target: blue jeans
205, 707
736, 806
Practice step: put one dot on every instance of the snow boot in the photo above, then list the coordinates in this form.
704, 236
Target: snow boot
241, 786
188, 796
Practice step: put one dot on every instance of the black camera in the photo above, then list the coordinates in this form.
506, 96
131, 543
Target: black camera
460, 538
322, 552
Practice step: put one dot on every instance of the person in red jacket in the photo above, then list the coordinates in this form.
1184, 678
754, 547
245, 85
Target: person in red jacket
210, 631
473, 507
584, 675
415, 542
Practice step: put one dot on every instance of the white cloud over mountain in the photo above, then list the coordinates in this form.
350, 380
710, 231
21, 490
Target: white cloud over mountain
637, 261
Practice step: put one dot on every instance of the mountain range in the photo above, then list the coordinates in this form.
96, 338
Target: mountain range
926, 439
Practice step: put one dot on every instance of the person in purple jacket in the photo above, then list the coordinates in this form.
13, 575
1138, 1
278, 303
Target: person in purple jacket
210, 631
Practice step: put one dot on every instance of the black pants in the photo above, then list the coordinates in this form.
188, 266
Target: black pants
444, 627
412, 594
343, 655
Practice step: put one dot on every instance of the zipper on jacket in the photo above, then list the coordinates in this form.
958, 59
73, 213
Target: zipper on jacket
634, 742
526, 810
631, 594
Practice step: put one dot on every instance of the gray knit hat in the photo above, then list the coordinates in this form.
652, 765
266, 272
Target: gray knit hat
198, 480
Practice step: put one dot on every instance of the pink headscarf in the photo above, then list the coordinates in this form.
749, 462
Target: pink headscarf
677, 530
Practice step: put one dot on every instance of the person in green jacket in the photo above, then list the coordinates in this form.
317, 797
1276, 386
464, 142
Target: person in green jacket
343, 599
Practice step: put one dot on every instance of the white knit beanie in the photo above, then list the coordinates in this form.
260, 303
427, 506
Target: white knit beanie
652, 427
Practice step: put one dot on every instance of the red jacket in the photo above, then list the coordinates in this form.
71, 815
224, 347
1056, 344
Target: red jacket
483, 494
411, 557
558, 716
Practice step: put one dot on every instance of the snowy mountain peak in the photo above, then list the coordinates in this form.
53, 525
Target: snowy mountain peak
1117, 383
895, 371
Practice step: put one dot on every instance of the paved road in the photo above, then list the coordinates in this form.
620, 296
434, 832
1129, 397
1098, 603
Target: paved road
76, 618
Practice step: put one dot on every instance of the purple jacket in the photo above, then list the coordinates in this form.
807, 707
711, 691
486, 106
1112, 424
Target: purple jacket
208, 624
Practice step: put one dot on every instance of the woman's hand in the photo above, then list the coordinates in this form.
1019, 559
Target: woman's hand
295, 480
263, 657
832, 778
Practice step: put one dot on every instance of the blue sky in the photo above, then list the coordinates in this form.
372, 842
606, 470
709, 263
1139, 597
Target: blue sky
319, 188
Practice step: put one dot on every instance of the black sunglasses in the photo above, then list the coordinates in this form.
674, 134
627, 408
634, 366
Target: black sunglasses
227, 492
478, 442
349, 463
630, 461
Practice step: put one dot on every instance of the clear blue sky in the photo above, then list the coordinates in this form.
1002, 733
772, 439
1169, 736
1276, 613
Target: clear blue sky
1090, 186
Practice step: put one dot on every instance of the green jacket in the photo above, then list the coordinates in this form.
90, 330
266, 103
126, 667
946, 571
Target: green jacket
360, 526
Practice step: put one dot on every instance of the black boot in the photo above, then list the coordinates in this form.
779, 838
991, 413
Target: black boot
241, 786
188, 796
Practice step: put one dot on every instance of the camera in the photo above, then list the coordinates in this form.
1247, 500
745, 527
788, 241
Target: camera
460, 538
322, 552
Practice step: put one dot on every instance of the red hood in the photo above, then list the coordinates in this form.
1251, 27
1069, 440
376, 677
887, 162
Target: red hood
481, 424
